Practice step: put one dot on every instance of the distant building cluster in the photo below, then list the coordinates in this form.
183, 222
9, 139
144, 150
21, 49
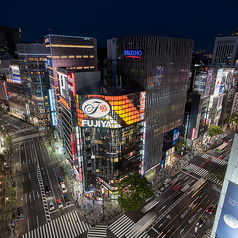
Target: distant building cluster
123, 113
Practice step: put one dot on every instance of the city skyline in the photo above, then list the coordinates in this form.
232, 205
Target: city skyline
108, 20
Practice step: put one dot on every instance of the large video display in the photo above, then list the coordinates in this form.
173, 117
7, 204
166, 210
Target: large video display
228, 223
111, 111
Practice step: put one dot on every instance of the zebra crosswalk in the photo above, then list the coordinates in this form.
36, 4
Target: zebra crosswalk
215, 159
203, 173
26, 137
208, 233
124, 227
68, 225
97, 231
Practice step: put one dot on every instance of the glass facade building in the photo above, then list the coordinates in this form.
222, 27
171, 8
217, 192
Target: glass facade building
70, 52
109, 139
32, 60
161, 66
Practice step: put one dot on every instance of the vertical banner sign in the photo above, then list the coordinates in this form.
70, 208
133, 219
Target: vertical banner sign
72, 145
193, 134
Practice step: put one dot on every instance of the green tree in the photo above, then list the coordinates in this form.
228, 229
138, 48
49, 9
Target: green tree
214, 131
133, 190
233, 119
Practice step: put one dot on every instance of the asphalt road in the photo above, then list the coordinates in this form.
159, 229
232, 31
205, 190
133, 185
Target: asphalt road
176, 216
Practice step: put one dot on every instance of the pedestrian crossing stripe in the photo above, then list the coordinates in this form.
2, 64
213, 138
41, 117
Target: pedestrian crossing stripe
26, 137
208, 234
124, 227
68, 225
204, 173
215, 159
97, 231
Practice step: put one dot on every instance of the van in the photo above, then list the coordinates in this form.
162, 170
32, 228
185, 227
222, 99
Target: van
63, 188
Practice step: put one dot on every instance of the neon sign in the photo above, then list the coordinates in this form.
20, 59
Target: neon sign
96, 108
138, 54
96, 123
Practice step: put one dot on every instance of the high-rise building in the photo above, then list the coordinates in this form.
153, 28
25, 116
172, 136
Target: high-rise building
225, 51
9, 38
160, 66
15, 92
210, 100
70, 52
226, 219
32, 60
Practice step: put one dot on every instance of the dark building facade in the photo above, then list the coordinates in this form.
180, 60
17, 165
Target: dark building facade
161, 66
32, 59
9, 38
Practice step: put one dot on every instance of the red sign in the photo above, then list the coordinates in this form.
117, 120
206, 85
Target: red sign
193, 134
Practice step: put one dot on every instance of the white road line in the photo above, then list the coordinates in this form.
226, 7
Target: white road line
65, 222
61, 219
72, 223
69, 224
28, 226
77, 224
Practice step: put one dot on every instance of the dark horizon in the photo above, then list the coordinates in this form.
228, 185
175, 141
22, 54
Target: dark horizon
107, 20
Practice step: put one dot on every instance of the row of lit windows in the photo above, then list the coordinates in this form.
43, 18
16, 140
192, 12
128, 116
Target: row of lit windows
85, 67
71, 56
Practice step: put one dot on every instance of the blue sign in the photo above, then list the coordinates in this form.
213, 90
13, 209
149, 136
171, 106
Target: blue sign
133, 54
176, 136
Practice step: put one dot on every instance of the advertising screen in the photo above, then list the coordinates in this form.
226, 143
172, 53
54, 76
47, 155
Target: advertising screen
200, 81
218, 81
13, 76
176, 136
111, 111
228, 223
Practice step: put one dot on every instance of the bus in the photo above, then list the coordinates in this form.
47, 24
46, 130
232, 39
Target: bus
222, 147
142, 224
195, 188
150, 205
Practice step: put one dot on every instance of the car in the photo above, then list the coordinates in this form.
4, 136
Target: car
208, 159
61, 180
59, 203
202, 165
47, 189
51, 206
63, 188
201, 222
211, 209
20, 212
66, 199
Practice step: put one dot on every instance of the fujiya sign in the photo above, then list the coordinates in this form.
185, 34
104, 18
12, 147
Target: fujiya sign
96, 108
96, 123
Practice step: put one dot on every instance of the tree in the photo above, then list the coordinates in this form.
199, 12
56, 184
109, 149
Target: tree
214, 131
233, 119
133, 190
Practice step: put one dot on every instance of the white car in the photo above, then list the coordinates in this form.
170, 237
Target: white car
63, 188
51, 206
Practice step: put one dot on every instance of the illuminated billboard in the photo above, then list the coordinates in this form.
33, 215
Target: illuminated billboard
13, 76
52, 100
228, 223
110, 111
218, 81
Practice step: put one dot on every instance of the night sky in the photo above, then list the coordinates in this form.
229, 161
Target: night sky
200, 21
